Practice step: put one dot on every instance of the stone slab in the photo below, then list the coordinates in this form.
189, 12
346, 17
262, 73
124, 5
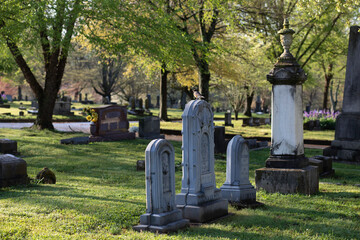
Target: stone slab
205, 212
113, 137
13, 171
351, 145
318, 163
287, 162
238, 193
75, 140
8, 146
288, 181
171, 227
348, 155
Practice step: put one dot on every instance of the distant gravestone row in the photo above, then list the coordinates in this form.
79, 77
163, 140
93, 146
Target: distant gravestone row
199, 200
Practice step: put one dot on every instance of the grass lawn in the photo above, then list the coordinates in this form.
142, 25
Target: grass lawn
173, 113
100, 195
259, 131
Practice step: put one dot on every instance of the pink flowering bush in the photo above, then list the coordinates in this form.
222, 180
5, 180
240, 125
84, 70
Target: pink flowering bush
326, 118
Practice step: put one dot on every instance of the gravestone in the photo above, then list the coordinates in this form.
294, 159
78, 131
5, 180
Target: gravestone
199, 199
346, 145
63, 107
258, 104
21, 113
149, 128
219, 139
26, 98
112, 124
34, 104
248, 122
86, 97
287, 169
13, 171
228, 119
161, 212
237, 188
8, 146
9, 98
80, 97
157, 101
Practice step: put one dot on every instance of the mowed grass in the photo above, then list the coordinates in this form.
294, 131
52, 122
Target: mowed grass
100, 195
255, 131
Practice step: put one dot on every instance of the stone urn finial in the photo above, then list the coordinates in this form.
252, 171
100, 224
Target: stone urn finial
286, 39
286, 70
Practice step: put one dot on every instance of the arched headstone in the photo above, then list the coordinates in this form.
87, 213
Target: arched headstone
199, 199
161, 213
237, 188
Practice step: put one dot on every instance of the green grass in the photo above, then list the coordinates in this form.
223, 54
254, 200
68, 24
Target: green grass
100, 195
173, 113
256, 131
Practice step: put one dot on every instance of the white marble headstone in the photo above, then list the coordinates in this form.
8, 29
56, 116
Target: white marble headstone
237, 186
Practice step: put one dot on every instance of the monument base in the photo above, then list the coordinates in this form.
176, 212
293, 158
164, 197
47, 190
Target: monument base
206, 211
344, 150
238, 193
324, 165
288, 181
112, 137
162, 222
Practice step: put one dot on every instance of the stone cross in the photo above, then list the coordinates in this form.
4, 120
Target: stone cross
199, 199
237, 187
161, 213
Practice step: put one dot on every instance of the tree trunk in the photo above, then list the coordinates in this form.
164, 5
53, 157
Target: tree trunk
249, 99
45, 111
328, 78
204, 78
236, 114
163, 93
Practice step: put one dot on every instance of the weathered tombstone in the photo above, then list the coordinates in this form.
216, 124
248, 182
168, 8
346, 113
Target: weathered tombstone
21, 113
157, 101
287, 169
13, 171
346, 145
199, 199
219, 139
161, 213
80, 97
258, 104
34, 104
86, 97
149, 128
9, 98
63, 107
112, 124
228, 119
237, 188
8, 146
